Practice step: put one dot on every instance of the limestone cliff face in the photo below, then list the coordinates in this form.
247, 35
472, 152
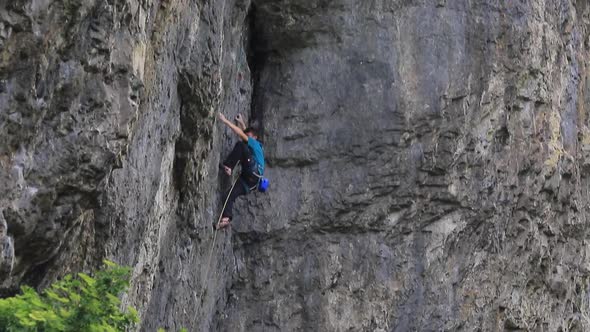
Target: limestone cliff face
429, 160
109, 148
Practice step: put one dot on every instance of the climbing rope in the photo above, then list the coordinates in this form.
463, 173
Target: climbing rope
215, 236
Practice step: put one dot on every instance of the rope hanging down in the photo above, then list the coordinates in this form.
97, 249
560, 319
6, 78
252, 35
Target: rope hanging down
215, 236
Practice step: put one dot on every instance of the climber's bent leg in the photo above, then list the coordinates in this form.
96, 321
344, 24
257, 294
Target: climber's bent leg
239, 153
226, 216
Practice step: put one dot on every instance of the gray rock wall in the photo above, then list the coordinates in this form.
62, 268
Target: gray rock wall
427, 166
428, 159
109, 148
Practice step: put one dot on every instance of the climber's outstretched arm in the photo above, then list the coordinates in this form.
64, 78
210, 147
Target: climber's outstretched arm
233, 127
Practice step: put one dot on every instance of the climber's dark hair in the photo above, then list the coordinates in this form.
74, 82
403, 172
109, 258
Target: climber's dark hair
252, 131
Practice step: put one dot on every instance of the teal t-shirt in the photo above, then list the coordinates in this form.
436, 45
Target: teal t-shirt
257, 152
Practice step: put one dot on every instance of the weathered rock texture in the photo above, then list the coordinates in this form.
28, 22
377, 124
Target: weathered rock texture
429, 160
109, 148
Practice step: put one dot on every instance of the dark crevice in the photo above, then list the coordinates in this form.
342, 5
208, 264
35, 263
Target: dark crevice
36, 275
257, 56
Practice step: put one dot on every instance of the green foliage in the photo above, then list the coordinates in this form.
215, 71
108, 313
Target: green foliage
81, 303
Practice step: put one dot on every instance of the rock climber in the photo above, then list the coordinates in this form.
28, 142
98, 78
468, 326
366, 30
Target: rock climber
249, 153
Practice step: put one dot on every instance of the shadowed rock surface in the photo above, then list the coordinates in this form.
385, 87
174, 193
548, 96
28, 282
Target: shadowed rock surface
429, 160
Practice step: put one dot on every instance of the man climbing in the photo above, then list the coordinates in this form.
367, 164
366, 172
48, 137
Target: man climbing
249, 153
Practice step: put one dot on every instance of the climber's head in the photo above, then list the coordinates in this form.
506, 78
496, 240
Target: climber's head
251, 132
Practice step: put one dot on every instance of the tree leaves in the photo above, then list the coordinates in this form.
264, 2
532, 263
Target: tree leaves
82, 303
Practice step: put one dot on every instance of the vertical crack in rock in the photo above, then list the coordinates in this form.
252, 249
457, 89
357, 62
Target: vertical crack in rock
257, 57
